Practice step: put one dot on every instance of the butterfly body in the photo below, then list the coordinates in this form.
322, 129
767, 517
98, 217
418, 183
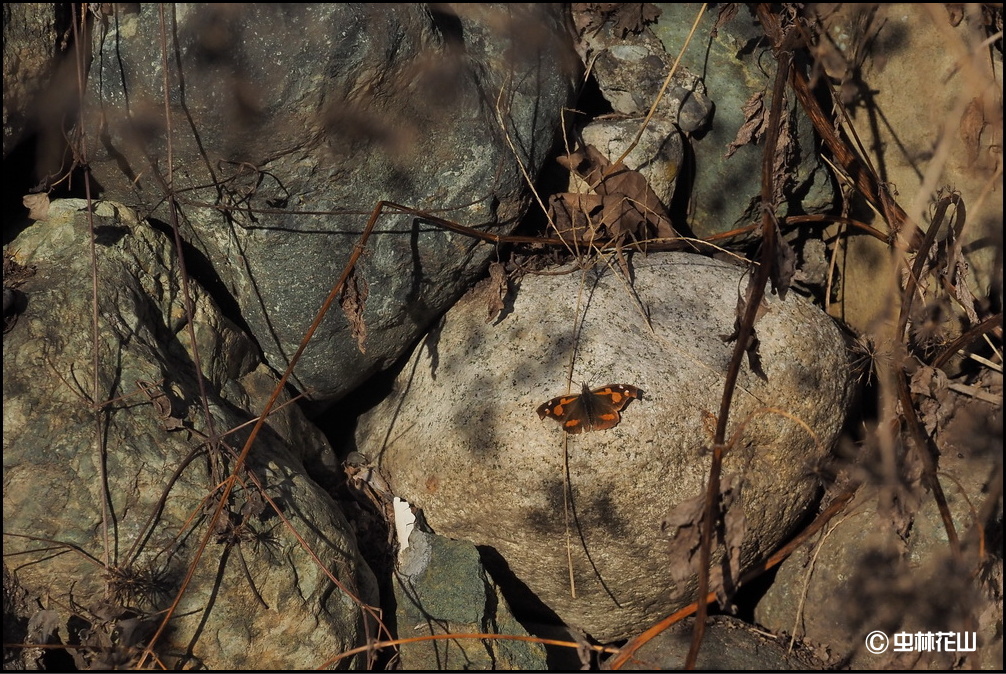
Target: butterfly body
590, 410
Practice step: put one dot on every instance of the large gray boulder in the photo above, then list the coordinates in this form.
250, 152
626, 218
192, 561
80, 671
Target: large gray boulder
289, 123
103, 513
459, 437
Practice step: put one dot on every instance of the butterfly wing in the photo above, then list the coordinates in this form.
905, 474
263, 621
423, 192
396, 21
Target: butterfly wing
568, 410
603, 405
618, 395
556, 408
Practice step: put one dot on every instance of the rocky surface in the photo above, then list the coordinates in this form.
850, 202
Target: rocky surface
459, 436
894, 571
282, 119
956, 98
441, 588
31, 55
713, 99
730, 644
103, 512
289, 123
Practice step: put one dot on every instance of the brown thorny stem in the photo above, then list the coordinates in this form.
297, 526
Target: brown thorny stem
757, 291
99, 410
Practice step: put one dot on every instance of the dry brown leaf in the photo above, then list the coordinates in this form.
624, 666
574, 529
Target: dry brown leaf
353, 301
585, 18
785, 157
972, 125
628, 17
575, 215
15, 273
930, 381
629, 208
751, 348
493, 290
575, 162
755, 118
684, 526
735, 528
638, 204
632, 17
963, 293
727, 12
37, 205
784, 267
161, 401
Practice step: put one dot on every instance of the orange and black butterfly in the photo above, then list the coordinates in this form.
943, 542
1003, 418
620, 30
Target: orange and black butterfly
590, 410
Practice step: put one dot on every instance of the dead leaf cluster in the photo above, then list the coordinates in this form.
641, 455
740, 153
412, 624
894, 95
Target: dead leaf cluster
627, 17
617, 204
683, 526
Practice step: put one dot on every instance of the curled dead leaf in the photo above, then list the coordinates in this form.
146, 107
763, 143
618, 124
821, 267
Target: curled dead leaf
493, 290
576, 216
353, 300
751, 347
755, 118
37, 205
784, 266
628, 17
620, 204
683, 525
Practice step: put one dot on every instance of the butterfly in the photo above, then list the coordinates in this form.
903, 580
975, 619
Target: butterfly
591, 410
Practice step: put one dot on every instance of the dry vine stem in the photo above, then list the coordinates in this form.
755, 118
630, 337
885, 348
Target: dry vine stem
766, 269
